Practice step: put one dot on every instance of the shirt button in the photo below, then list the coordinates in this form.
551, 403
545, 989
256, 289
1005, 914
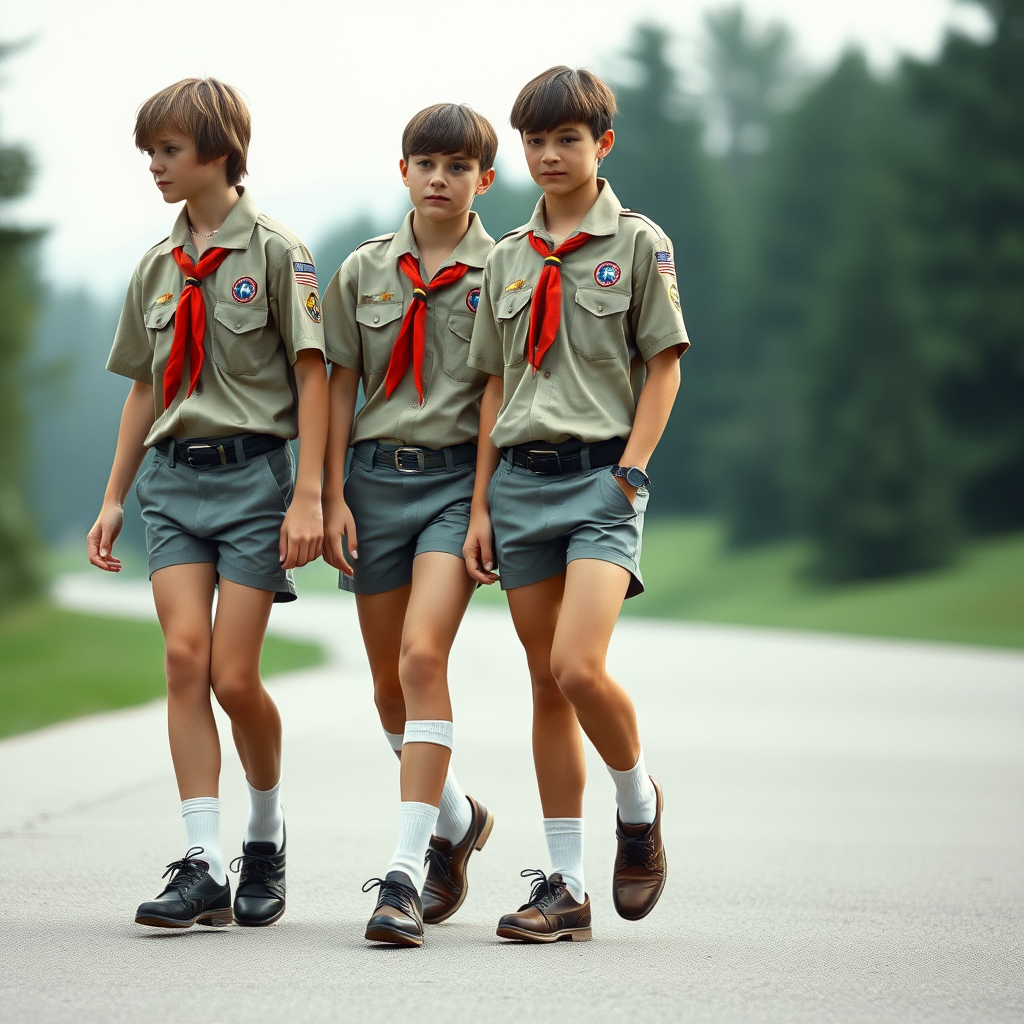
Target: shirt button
509, 310
600, 308
238, 327
547, 374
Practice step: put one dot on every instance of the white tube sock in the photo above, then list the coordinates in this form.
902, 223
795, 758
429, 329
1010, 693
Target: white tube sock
395, 741
415, 826
565, 847
634, 794
266, 821
430, 731
456, 814
201, 815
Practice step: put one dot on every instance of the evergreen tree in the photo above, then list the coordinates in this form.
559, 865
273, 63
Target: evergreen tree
968, 212
659, 168
18, 291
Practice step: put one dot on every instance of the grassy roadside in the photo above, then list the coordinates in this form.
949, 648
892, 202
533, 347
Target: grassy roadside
57, 664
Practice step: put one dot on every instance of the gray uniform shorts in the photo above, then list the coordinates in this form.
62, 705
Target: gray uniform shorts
542, 523
399, 516
228, 515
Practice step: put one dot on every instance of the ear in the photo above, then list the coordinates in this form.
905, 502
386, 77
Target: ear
486, 181
605, 144
403, 169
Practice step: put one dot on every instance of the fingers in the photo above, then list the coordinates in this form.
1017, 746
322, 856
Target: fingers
99, 544
478, 565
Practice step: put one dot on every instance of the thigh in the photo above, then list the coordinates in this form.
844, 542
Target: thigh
441, 589
591, 602
535, 612
380, 621
183, 595
240, 626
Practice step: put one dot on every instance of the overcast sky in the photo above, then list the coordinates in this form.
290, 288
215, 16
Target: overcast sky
331, 86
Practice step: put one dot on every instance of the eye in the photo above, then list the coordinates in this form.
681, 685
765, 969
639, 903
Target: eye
458, 167
423, 163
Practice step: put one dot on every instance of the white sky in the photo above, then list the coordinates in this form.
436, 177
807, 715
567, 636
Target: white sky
331, 85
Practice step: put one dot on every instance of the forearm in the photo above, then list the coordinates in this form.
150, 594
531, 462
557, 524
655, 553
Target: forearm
136, 422
342, 391
653, 409
487, 456
311, 383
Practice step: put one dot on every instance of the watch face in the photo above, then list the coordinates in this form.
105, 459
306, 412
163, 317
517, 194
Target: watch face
636, 477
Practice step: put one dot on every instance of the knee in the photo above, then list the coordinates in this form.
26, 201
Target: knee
577, 679
388, 699
546, 694
237, 692
187, 663
421, 666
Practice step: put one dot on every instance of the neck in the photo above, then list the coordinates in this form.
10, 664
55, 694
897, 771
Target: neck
564, 213
208, 210
440, 237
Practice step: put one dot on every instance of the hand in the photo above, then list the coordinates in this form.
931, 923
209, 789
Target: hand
627, 489
339, 522
478, 551
100, 539
302, 534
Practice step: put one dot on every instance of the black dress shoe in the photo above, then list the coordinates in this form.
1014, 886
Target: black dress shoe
398, 916
259, 896
190, 897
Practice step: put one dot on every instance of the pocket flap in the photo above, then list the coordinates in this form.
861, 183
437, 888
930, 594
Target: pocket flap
377, 314
510, 304
462, 325
158, 317
601, 301
240, 319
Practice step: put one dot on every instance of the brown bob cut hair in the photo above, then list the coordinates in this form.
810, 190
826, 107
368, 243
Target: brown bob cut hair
213, 115
451, 128
563, 95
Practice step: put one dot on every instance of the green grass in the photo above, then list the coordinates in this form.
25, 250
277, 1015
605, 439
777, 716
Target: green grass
690, 574
57, 664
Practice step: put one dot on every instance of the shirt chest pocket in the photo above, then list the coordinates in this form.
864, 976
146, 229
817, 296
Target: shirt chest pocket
239, 338
160, 326
513, 317
599, 324
378, 328
456, 349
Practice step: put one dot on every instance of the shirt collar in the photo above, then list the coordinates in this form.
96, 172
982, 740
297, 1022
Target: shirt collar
601, 219
234, 233
472, 250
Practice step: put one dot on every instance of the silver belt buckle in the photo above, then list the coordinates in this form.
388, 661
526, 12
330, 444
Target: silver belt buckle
205, 447
420, 461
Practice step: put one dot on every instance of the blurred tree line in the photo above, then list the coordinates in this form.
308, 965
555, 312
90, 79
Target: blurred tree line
850, 252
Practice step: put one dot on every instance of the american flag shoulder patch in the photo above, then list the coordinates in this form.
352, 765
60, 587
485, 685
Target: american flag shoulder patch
666, 265
305, 275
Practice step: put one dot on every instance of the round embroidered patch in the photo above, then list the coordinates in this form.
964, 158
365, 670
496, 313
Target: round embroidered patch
473, 299
244, 289
606, 274
313, 307
673, 294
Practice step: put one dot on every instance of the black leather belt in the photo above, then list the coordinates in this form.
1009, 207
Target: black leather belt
203, 452
568, 457
410, 459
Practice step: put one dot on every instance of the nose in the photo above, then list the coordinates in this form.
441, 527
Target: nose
550, 155
155, 165
437, 180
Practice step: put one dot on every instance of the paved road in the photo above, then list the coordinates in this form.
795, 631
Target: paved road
845, 828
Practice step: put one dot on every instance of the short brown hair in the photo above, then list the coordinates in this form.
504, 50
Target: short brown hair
213, 115
451, 128
563, 95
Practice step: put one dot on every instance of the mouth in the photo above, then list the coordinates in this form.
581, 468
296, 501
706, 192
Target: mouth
162, 185
436, 198
552, 174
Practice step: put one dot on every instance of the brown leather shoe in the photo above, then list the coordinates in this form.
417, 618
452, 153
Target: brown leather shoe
640, 869
446, 886
549, 914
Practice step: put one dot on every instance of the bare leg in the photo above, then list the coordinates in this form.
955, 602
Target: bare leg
441, 589
238, 631
594, 592
184, 602
380, 621
557, 742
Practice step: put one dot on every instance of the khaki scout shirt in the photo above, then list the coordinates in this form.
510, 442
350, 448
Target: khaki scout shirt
262, 308
364, 306
620, 307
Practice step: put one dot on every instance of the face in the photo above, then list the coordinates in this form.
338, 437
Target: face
442, 186
177, 171
566, 158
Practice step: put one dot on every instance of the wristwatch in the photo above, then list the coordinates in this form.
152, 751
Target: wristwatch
633, 475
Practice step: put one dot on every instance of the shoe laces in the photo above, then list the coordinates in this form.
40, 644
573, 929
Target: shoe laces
186, 871
257, 868
438, 863
638, 849
545, 892
393, 894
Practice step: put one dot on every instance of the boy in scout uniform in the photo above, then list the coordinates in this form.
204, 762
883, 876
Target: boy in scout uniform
221, 335
398, 318
580, 329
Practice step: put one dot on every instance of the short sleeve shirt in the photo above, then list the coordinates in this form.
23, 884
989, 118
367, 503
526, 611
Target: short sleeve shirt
620, 307
364, 306
262, 308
